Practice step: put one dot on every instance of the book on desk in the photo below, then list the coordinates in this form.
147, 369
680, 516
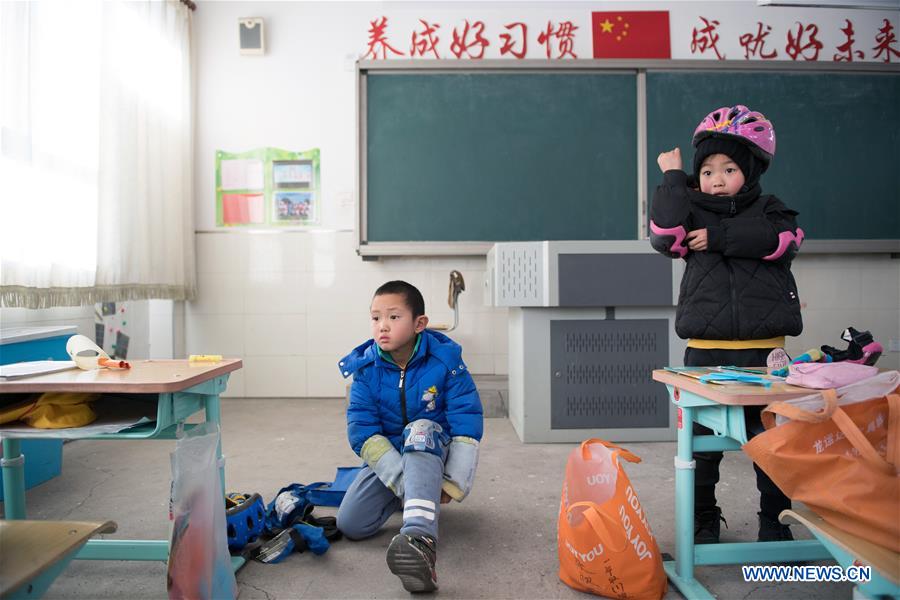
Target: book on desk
727, 375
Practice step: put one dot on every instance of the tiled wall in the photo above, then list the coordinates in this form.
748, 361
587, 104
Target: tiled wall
291, 304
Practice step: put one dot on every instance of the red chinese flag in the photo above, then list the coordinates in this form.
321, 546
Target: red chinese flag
631, 34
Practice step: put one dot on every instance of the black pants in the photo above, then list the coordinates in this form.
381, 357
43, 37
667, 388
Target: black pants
771, 499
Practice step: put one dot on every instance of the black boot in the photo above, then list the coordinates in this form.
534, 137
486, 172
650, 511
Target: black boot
706, 525
770, 530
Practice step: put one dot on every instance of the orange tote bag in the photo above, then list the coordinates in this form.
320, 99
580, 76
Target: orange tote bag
841, 462
604, 541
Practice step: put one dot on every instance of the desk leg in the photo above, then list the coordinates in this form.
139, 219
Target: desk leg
214, 415
681, 571
13, 465
684, 497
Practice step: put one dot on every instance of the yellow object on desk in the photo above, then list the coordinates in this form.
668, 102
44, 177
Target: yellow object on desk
53, 410
205, 358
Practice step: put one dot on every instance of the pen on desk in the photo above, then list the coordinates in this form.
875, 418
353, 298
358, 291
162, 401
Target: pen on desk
744, 370
112, 363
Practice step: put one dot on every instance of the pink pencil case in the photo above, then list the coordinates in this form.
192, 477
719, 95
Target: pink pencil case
822, 376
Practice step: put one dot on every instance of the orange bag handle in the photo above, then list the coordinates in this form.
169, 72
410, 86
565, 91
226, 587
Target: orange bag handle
794, 413
859, 440
893, 447
626, 454
861, 443
593, 514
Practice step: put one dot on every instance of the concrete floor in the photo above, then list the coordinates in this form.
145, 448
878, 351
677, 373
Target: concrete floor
499, 543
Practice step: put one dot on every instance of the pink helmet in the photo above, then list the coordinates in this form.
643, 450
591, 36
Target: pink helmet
740, 123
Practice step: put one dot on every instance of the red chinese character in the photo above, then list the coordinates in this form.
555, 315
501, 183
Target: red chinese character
796, 47
425, 40
847, 47
461, 44
886, 40
565, 33
508, 44
755, 44
706, 38
378, 40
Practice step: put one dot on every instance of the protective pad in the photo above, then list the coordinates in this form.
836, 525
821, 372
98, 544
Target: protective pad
459, 470
385, 461
423, 435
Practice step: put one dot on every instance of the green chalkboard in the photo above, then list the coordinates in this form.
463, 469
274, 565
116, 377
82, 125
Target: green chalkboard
501, 156
837, 159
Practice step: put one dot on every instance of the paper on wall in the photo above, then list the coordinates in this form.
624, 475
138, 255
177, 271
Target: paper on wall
242, 174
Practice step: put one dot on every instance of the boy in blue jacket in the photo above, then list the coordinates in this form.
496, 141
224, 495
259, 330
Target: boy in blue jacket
415, 418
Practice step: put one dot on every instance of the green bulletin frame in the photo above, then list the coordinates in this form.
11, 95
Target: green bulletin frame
268, 187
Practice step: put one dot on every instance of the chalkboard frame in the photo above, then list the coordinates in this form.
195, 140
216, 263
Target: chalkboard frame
366, 68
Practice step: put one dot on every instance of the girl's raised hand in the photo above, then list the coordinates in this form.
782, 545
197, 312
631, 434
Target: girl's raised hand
697, 240
669, 161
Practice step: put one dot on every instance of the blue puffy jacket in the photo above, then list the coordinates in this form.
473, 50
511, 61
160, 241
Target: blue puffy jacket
436, 384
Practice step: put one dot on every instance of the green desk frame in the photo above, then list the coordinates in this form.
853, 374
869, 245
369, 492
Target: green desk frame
727, 421
172, 410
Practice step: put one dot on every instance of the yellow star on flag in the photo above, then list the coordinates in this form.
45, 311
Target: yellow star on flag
606, 27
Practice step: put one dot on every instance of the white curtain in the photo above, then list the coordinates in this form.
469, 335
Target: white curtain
95, 152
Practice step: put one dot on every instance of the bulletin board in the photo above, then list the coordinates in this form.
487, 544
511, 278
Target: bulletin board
268, 187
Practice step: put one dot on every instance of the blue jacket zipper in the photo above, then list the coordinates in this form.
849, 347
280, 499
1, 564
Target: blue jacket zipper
403, 397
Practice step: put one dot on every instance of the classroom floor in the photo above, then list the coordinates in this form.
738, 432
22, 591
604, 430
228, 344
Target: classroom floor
499, 543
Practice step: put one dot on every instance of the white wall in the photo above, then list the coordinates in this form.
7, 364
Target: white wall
862, 291
80, 316
292, 303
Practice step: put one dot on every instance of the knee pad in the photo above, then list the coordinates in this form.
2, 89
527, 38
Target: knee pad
459, 470
423, 435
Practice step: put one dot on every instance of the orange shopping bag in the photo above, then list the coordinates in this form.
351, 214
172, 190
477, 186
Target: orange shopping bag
841, 462
604, 541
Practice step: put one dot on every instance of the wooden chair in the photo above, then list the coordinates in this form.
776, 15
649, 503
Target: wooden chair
34, 553
850, 550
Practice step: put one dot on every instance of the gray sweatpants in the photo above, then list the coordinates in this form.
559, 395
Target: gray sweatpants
368, 503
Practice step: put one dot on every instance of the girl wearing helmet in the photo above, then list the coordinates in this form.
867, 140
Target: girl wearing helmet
738, 298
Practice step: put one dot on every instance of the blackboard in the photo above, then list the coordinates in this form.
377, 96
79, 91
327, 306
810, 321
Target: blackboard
544, 154
500, 156
837, 159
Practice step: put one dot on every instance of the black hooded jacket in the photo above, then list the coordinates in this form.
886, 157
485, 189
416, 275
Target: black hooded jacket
741, 286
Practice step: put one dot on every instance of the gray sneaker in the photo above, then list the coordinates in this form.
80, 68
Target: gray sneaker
412, 560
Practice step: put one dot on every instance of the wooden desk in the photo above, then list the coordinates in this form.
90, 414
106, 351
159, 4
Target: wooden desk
36, 552
721, 408
732, 394
182, 389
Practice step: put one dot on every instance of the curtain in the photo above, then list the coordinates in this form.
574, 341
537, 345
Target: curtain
95, 153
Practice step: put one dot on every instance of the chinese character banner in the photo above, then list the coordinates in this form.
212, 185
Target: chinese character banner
687, 30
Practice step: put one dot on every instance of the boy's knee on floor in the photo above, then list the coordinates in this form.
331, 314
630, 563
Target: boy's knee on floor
352, 527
